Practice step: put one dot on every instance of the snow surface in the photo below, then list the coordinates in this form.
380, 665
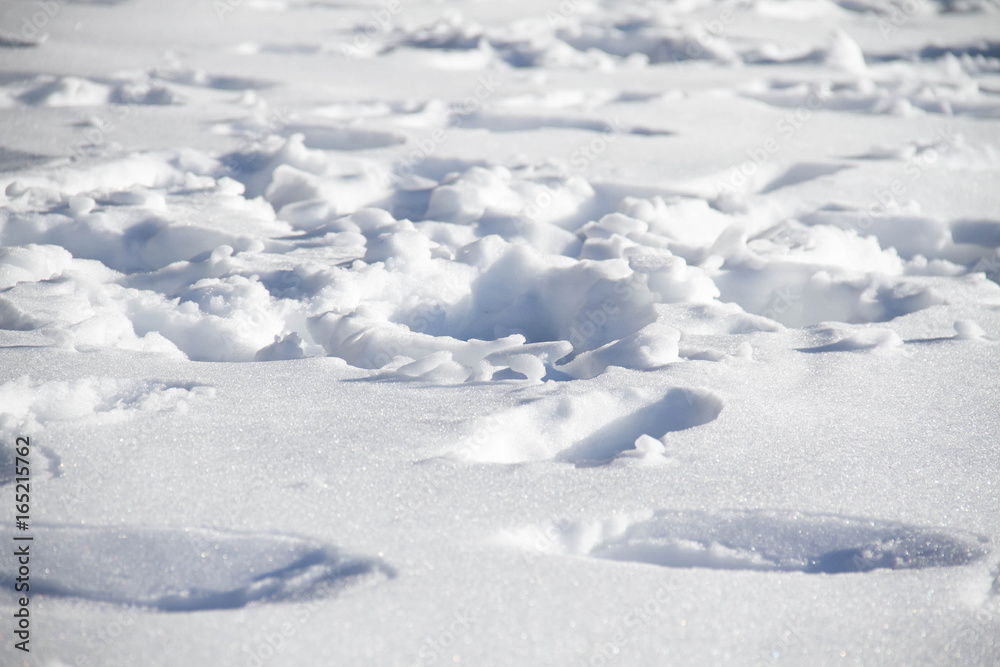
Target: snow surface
520, 333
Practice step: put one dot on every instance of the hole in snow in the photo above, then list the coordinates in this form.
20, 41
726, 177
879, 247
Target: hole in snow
188, 569
774, 541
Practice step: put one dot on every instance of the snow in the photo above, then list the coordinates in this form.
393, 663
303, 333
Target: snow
579, 332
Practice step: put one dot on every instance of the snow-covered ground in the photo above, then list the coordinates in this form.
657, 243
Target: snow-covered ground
382, 332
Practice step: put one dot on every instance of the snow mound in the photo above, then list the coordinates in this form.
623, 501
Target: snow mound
587, 427
474, 274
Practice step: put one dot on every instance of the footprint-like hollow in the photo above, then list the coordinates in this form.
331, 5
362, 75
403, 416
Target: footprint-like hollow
787, 542
184, 570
